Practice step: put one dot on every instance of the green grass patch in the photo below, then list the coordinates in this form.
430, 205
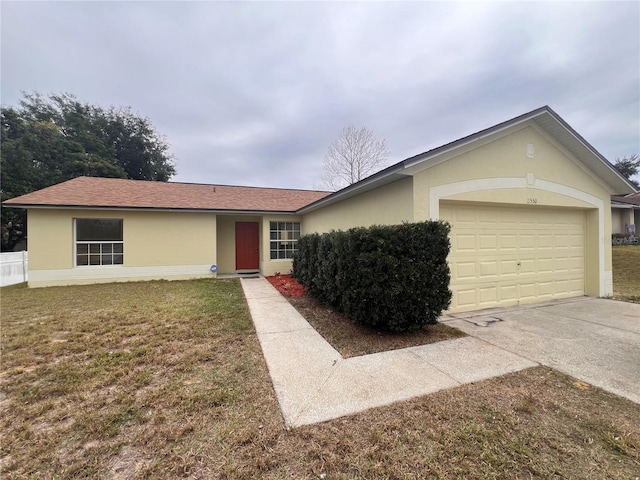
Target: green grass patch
626, 273
167, 379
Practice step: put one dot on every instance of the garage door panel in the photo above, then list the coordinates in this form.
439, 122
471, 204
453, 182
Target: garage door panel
488, 295
507, 217
509, 267
466, 242
509, 293
576, 286
527, 241
505, 255
544, 265
545, 241
508, 242
527, 291
466, 298
547, 288
528, 267
576, 240
488, 268
561, 264
576, 264
488, 242
466, 270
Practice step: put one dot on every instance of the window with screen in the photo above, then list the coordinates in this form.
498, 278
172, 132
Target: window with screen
99, 242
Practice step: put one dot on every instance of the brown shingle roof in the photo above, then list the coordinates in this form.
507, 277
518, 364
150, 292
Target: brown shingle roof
633, 199
121, 193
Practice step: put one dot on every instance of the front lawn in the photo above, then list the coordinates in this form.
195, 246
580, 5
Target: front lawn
167, 379
626, 273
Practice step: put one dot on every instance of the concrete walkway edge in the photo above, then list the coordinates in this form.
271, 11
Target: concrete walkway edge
313, 383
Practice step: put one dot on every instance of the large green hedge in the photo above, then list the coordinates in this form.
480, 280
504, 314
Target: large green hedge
393, 278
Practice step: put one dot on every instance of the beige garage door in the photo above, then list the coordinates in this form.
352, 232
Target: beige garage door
504, 256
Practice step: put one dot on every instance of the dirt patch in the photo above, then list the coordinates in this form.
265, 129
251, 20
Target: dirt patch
352, 339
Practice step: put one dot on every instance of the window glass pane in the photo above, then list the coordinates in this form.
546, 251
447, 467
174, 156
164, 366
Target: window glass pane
94, 248
83, 248
118, 259
284, 239
107, 247
106, 259
117, 248
98, 229
94, 259
82, 260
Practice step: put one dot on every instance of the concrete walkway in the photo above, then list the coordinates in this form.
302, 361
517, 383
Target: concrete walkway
313, 383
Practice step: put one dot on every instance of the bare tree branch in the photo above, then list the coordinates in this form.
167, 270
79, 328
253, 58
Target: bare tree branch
352, 157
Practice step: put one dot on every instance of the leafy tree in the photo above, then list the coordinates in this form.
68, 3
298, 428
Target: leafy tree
629, 167
47, 140
352, 157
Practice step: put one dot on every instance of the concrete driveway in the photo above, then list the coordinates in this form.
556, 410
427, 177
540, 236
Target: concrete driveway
591, 339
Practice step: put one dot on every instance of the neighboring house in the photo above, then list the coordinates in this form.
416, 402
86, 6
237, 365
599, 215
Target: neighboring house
625, 211
528, 199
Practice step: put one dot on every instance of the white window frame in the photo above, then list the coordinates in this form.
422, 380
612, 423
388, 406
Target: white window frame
101, 245
283, 237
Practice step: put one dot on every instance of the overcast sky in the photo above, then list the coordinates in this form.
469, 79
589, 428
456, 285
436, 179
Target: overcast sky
254, 93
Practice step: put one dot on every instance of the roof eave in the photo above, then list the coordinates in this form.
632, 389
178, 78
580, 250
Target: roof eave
617, 182
383, 177
154, 209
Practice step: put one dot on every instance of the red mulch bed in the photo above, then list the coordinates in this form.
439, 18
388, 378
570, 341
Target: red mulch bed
287, 285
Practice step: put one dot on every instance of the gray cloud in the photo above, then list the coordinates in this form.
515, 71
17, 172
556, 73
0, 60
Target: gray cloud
253, 93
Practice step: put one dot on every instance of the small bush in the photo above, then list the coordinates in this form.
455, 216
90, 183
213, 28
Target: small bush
392, 278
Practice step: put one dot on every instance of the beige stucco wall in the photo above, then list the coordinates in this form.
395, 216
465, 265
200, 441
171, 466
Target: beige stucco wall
497, 170
227, 240
388, 205
506, 158
270, 267
168, 245
227, 243
620, 218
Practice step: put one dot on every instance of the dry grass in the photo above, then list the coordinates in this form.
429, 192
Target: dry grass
352, 339
166, 380
626, 273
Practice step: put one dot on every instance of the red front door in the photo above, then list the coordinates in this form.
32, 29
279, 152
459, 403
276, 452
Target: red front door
247, 246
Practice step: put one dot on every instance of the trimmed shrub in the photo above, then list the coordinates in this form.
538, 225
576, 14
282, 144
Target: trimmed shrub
393, 278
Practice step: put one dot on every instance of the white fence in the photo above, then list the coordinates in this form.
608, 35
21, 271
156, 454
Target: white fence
14, 268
